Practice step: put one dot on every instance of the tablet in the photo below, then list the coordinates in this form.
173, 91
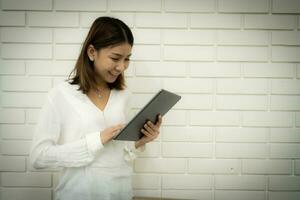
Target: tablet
161, 103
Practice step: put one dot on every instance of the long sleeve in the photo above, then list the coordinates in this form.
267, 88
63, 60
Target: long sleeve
45, 152
130, 150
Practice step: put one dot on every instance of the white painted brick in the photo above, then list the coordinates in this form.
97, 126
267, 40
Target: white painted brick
286, 37
297, 167
160, 165
242, 86
284, 183
26, 193
12, 115
16, 131
33, 179
268, 119
284, 195
26, 4
285, 150
228, 21
285, 135
153, 150
298, 119
144, 181
189, 6
53, 19
189, 53
253, 182
237, 37
144, 193
146, 36
87, 18
217, 166
175, 117
214, 118
77, 5
269, 70
199, 69
194, 101
269, 21
240, 150
184, 149
298, 71
146, 52
187, 134
267, 166
27, 51
243, 6
285, 6
12, 67
32, 115
12, 18
285, 102
15, 147
37, 67
12, 163
241, 102
69, 51
285, 86
11, 99
286, 54
187, 194
62, 35
135, 5
164, 69
242, 53
20, 83
192, 85
143, 85
164, 20
30, 35
191, 37
245, 195
187, 181
241, 134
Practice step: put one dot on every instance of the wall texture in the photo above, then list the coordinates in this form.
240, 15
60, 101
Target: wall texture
235, 135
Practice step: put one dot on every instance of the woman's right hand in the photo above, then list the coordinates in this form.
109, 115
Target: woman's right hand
109, 133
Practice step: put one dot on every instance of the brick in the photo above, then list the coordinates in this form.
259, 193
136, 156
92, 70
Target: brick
189, 53
53, 19
62, 35
77, 5
285, 6
26, 193
187, 181
245, 195
200, 69
247, 37
179, 149
242, 53
146, 36
258, 166
12, 163
269, 21
165, 20
285, 135
285, 86
12, 67
269, 70
241, 102
242, 86
228, 21
58, 67
145, 181
244, 182
192, 85
297, 119
12, 115
241, 150
11, 99
189, 6
243, 6
297, 167
219, 166
26, 5
160, 165
63, 52
284, 183
20, 83
195, 101
284, 195
87, 18
285, 151
187, 134
26, 51
285, 54
12, 18
286, 37
15, 147
214, 118
135, 5
26, 35
268, 119
187, 194
33, 179
285, 102
146, 52
153, 85
16, 131
241, 134
189, 37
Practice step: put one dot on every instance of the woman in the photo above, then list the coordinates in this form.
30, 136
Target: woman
83, 114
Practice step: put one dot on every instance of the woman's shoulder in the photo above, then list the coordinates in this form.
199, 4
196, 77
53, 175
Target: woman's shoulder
58, 89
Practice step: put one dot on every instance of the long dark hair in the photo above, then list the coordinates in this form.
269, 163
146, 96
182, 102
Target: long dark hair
105, 31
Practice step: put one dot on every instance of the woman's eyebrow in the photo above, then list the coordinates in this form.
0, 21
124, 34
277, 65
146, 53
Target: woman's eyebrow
120, 54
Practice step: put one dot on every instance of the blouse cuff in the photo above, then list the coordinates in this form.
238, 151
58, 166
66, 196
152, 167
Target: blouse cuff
93, 141
137, 150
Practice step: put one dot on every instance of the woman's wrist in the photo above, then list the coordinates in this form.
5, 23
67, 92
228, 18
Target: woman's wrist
137, 144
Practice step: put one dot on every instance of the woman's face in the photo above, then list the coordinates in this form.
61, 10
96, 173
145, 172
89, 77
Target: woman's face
110, 62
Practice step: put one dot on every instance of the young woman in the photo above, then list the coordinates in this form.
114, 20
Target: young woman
83, 114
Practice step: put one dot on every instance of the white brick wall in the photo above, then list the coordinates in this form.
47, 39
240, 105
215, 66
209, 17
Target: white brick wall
235, 134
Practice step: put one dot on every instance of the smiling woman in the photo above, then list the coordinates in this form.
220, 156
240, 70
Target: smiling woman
82, 115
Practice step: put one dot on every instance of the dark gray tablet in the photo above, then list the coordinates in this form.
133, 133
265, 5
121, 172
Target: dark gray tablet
161, 103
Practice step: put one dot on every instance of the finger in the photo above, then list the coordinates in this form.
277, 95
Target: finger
151, 125
149, 129
159, 120
145, 133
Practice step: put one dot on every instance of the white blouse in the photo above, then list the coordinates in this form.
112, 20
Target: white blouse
68, 132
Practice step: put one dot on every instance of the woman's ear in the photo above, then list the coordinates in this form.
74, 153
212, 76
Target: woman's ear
91, 52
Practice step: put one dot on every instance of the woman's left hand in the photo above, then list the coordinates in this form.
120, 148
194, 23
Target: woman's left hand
150, 131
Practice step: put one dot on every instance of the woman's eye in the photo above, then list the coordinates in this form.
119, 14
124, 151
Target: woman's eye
115, 58
127, 59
